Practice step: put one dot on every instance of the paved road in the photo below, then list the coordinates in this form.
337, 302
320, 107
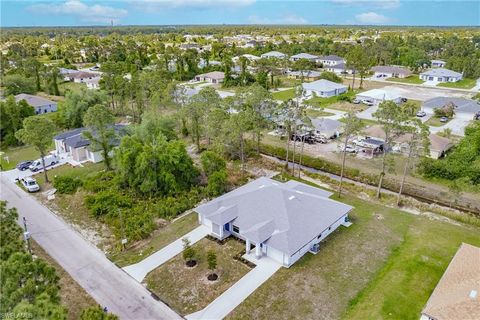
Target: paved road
236, 294
140, 270
106, 283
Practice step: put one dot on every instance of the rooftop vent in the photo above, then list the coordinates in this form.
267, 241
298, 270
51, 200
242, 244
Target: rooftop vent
291, 197
473, 294
262, 186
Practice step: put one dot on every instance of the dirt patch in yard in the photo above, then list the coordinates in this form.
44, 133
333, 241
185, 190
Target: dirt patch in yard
188, 290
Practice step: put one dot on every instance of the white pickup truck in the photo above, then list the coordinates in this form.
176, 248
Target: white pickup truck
30, 184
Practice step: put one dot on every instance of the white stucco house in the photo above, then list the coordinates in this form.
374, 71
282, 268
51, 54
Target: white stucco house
329, 128
72, 143
438, 63
330, 60
274, 55
323, 88
40, 104
377, 96
282, 220
93, 84
441, 75
212, 77
390, 72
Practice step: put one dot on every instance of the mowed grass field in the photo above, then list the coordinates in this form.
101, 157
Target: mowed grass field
383, 266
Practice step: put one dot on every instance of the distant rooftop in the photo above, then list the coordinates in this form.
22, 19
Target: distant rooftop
441, 72
34, 101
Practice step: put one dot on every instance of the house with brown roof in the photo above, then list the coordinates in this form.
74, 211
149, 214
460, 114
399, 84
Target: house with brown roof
390, 72
456, 296
212, 77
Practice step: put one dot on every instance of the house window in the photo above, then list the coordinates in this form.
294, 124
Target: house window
235, 229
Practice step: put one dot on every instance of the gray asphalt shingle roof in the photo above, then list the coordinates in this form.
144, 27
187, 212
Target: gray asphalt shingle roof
441, 72
462, 104
286, 216
304, 56
34, 101
323, 85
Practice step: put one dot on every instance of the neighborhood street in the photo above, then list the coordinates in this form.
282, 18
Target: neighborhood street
106, 283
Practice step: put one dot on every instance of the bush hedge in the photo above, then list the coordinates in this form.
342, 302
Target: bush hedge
66, 184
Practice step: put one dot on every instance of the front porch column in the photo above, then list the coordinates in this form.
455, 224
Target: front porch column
247, 249
258, 250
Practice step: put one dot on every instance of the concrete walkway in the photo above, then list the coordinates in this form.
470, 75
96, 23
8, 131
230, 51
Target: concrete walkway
237, 293
139, 270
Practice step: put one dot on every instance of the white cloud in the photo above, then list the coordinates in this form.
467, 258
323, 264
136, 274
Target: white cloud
158, 5
372, 18
88, 13
286, 19
383, 4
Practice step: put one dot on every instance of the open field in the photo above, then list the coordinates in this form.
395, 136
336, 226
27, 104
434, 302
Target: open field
159, 239
86, 170
284, 95
387, 256
187, 289
70, 86
462, 84
414, 79
325, 102
72, 295
315, 113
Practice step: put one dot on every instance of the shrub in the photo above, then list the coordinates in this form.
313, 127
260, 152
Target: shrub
188, 252
65, 184
217, 183
212, 260
101, 181
170, 207
105, 202
212, 162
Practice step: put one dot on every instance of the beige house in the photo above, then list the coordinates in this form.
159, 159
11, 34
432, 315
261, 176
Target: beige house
212, 77
456, 296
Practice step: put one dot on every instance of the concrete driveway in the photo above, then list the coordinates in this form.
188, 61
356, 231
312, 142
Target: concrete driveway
456, 125
139, 270
236, 294
13, 174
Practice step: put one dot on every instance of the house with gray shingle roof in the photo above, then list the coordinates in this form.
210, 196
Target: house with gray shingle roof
74, 144
390, 72
330, 60
463, 108
323, 88
441, 75
282, 220
274, 55
305, 56
40, 104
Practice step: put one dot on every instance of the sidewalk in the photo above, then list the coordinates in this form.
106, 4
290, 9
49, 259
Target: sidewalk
139, 270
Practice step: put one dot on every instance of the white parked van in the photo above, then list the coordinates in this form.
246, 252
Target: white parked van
50, 160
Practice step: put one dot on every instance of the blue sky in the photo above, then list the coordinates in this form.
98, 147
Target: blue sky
161, 12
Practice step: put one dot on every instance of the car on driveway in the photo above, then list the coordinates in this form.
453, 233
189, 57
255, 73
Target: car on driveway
367, 102
443, 119
30, 184
356, 101
421, 114
348, 149
23, 165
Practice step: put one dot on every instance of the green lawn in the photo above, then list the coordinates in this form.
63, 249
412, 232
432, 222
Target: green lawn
159, 239
326, 102
462, 84
315, 113
384, 266
70, 86
414, 79
67, 170
16, 155
188, 290
284, 95
435, 122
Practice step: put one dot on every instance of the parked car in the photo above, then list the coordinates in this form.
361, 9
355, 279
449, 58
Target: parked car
421, 114
320, 139
356, 101
444, 119
50, 160
367, 102
30, 184
403, 100
348, 149
23, 165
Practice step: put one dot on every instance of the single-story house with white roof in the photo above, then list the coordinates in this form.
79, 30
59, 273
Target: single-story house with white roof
274, 54
377, 96
308, 75
305, 56
329, 128
438, 63
80, 76
441, 75
202, 63
40, 104
283, 220
250, 57
212, 77
390, 72
330, 60
465, 109
323, 88
78, 147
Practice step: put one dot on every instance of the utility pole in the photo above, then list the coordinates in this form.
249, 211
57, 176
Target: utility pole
124, 239
26, 235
